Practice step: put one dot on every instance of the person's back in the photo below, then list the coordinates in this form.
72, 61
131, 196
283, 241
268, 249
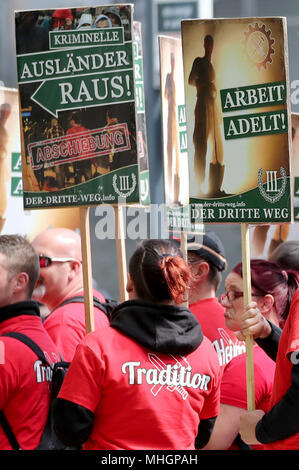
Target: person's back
120, 370
67, 324
154, 358
24, 389
24, 380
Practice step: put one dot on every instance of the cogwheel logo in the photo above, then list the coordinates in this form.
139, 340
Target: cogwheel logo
258, 43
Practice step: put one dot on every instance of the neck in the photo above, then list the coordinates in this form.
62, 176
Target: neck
72, 289
272, 317
23, 307
201, 292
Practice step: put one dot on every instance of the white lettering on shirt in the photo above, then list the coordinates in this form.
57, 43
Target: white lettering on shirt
43, 372
177, 377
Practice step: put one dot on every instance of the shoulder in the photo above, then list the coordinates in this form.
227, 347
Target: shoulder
206, 353
235, 371
294, 307
15, 357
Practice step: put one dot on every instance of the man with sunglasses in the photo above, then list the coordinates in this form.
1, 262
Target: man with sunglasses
61, 279
24, 380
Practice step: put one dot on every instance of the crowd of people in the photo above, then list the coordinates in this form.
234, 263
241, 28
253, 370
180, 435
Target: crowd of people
174, 353
33, 25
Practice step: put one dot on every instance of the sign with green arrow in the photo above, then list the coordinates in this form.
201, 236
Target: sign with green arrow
78, 104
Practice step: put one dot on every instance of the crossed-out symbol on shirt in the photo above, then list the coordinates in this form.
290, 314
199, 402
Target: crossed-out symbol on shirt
161, 366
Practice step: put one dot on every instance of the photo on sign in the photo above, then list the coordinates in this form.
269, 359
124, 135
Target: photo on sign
266, 238
174, 136
142, 147
78, 112
238, 117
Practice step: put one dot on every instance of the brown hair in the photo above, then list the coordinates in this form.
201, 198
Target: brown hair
286, 255
214, 277
159, 271
20, 257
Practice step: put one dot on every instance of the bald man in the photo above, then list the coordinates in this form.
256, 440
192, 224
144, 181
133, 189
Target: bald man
61, 278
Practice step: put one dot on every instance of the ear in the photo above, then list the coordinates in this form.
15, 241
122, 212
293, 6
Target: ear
76, 267
130, 287
200, 271
20, 283
266, 303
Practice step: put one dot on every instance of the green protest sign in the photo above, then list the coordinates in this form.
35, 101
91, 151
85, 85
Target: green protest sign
92, 90
16, 161
78, 110
249, 125
238, 119
16, 186
85, 38
267, 94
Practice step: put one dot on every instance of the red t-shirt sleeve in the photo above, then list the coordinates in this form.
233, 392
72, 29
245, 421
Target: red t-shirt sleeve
211, 406
82, 383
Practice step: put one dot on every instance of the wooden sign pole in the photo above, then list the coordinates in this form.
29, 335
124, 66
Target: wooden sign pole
247, 300
184, 240
87, 268
121, 252
184, 248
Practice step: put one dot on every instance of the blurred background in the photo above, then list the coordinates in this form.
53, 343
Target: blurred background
157, 17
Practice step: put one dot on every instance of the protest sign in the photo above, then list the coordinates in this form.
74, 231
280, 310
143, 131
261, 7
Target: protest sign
142, 147
266, 238
238, 118
173, 121
295, 139
77, 105
180, 216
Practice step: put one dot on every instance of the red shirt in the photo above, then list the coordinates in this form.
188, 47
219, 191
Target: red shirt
117, 379
288, 343
24, 383
66, 325
233, 385
210, 315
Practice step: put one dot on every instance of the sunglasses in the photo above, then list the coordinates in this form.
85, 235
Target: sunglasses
45, 261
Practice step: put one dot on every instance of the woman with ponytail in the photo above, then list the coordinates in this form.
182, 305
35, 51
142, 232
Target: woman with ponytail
151, 380
272, 291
